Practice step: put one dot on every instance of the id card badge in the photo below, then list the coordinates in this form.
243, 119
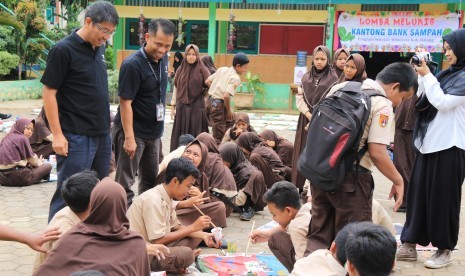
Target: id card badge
160, 112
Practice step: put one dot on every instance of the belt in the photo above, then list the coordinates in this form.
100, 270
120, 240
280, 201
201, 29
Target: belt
215, 100
360, 168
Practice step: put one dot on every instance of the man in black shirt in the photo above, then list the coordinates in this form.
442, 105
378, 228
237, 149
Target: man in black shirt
76, 98
140, 119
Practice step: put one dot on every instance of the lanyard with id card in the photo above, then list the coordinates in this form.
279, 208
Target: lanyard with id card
160, 107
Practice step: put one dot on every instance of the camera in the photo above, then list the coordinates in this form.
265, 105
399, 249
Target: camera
416, 60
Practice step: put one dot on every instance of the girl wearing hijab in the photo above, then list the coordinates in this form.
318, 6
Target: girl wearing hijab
354, 69
249, 180
283, 147
103, 241
242, 125
178, 58
339, 60
42, 138
263, 157
198, 154
208, 62
434, 192
188, 104
315, 85
19, 166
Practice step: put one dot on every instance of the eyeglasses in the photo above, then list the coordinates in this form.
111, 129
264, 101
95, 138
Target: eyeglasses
105, 32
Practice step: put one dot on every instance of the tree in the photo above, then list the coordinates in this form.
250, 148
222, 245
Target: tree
31, 17
7, 62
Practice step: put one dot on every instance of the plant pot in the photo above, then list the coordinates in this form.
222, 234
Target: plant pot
244, 100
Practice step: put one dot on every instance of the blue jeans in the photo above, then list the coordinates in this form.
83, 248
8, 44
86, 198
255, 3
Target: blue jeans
84, 152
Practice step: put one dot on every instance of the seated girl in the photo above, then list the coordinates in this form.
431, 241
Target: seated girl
19, 166
249, 180
42, 138
283, 147
242, 125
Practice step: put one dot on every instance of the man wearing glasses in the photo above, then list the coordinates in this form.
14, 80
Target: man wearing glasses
76, 99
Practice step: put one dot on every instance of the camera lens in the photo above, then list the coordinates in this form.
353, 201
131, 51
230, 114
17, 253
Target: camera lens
415, 60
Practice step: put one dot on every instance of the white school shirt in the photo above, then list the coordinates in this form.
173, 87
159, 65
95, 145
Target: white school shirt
447, 129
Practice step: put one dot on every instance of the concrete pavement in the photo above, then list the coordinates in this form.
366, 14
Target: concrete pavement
27, 208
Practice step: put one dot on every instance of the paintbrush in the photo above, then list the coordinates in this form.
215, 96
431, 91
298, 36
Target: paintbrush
200, 211
248, 242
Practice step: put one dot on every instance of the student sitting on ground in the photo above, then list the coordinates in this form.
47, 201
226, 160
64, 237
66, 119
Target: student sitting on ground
323, 261
264, 158
153, 216
183, 141
249, 180
370, 250
242, 124
285, 241
101, 242
283, 147
19, 166
76, 192
42, 138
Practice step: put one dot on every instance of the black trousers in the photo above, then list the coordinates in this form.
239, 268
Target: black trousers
433, 199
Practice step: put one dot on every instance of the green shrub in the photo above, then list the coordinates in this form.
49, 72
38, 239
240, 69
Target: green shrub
7, 62
113, 76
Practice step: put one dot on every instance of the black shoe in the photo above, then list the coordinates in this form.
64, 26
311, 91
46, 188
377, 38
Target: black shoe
248, 214
402, 209
4, 116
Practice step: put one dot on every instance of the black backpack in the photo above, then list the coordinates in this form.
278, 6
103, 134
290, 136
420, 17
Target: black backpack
334, 134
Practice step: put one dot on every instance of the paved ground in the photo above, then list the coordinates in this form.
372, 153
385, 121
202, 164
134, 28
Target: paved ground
27, 208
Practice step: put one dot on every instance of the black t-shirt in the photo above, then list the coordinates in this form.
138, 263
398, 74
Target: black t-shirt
138, 83
79, 74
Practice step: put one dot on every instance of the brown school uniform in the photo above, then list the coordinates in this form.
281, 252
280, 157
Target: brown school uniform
314, 86
153, 216
224, 80
331, 211
41, 139
283, 147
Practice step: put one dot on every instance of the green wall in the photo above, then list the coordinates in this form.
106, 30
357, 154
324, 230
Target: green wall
277, 97
20, 90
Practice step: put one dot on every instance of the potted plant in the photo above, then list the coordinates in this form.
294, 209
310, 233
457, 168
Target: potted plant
254, 87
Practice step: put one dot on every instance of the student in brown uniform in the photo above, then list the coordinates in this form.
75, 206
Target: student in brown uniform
19, 166
283, 147
223, 84
339, 60
242, 124
315, 83
42, 138
153, 216
354, 69
249, 180
188, 104
263, 157
352, 201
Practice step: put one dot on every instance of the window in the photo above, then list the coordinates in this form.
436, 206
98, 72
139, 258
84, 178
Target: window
197, 33
246, 38
288, 39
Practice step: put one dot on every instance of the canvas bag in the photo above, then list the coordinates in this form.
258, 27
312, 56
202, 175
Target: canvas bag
334, 134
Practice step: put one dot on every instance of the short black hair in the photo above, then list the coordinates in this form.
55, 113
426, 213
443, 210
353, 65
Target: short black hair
240, 59
370, 248
77, 188
400, 72
340, 241
102, 11
181, 168
283, 194
185, 139
167, 27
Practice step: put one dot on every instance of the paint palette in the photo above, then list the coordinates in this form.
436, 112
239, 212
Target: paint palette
241, 264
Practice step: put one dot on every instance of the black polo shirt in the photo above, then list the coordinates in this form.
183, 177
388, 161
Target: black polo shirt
79, 74
138, 83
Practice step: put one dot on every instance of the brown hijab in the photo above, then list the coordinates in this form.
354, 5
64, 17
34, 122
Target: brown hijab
41, 128
103, 241
361, 74
208, 62
316, 83
190, 78
240, 167
251, 142
15, 146
336, 56
208, 140
270, 135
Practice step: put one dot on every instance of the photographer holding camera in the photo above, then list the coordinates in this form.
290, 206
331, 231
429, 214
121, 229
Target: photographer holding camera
434, 193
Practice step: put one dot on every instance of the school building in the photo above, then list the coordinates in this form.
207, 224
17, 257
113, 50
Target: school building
271, 32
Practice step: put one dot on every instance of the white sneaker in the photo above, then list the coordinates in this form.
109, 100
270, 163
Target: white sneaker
407, 252
440, 258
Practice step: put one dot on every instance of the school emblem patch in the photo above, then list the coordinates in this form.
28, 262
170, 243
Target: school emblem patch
384, 118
